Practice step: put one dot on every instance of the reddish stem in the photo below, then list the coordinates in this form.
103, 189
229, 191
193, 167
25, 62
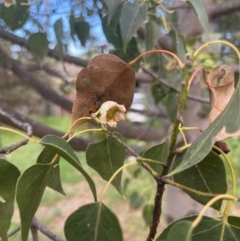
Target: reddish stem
180, 63
194, 75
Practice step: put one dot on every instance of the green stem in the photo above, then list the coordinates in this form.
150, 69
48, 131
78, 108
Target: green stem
74, 123
80, 132
142, 159
209, 204
178, 119
113, 176
19, 133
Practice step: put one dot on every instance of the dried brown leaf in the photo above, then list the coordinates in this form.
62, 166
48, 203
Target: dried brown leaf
105, 78
220, 81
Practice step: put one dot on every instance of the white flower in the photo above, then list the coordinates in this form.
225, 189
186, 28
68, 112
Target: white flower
111, 112
8, 3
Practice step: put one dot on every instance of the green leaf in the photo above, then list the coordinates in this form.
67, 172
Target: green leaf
106, 157
112, 7
180, 231
131, 53
136, 201
201, 13
9, 175
157, 153
153, 33
229, 118
14, 16
113, 36
116, 17
54, 181
38, 45
63, 149
178, 45
30, 189
207, 176
170, 101
131, 19
82, 29
209, 229
58, 29
95, 222
147, 214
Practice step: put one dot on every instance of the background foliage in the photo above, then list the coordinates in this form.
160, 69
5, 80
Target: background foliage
43, 46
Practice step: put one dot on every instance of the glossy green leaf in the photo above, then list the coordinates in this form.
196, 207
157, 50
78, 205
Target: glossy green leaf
106, 157
178, 45
63, 149
131, 19
157, 153
201, 13
82, 29
153, 33
112, 7
14, 16
58, 29
30, 189
209, 229
147, 214
207, 176
9, 175
54, 181
38, 45
180, 231
136, 200
229, 118
95, 222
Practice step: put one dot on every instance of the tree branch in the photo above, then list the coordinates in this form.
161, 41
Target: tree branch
54, 53
157, 210
29, 79
228, 7
23, 126
34, 232
45, 230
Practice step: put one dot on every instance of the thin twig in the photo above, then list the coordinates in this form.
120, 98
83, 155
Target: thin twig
171, 87
24, 126
34, 232
188, 189
45, 230
143, 164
